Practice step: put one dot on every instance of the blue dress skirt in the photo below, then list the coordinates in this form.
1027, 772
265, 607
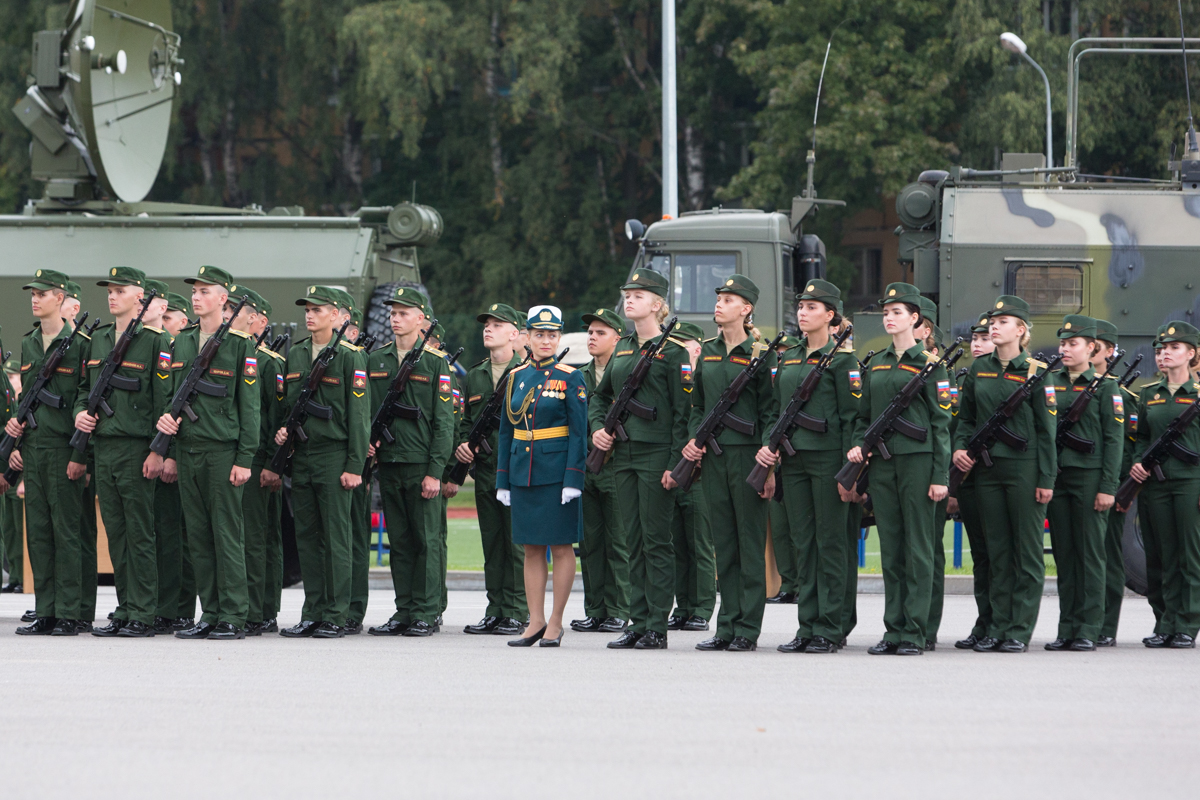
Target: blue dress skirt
540, 518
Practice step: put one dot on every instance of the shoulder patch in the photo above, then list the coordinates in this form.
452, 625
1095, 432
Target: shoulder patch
565, 368
435, 351
349, 346
242, 334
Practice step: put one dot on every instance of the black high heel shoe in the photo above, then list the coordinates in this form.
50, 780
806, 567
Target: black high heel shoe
551, 642
529, 641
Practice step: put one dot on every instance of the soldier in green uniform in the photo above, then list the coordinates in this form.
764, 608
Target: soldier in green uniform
449, 490
782, 533
642, 465
327, 467
215, 455
53, 470
502, 559
738, 515
854, 515
603, 551
691, 530
815, 507
260, 509
1013, 493
360, 516
931, 336
1114, 553
410, 468
125, 469
176, 581
906, 488
12, 509
1089, 462
1170, 508
968, 506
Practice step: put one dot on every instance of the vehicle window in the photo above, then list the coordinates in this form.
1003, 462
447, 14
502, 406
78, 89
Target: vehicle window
789, 277
697, 275
1049, 290
661, 264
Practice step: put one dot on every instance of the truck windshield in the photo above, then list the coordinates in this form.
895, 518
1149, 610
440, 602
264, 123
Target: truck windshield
696, 277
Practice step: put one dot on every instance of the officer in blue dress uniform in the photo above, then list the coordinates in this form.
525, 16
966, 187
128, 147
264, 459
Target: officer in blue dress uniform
540, 469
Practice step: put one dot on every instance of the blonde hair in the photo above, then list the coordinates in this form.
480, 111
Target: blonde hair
663, 312
748, 324
1027, 335
1195, 362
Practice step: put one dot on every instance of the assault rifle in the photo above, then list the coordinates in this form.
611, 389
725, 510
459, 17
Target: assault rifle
1131, 373
626, 403
305, 406
794, 416
1064, 436
280, 341
720, 417
37, 395
995, 429
1168, 445
195, 384
392, 409
107, 378
852, 476
484, 426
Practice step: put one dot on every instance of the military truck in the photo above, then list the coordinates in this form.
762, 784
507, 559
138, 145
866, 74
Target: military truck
98, 109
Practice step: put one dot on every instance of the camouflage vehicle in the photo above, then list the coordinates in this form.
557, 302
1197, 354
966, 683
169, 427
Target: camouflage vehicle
98, 109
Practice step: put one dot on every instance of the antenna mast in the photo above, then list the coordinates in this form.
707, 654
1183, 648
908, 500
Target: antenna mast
1192, 151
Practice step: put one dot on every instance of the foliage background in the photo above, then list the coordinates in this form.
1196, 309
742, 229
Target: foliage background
533, 125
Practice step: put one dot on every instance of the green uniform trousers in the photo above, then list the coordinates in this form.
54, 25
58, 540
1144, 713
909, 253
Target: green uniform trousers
937, 596
1114, 572
273, 594
212, 512
854, 515
739, 523
323, 534
1077, 536
503, 561
981, 565
818, 524
1013, 524
1173, 536
127, 506
12, 534
176, 581
90, 538
695, 560
52, 512
256, 516
904, 517
783, 539
444, 545
603, 554
360, 551
647, 508
414, 532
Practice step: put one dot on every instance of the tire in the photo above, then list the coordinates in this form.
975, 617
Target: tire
378, 316
1134, 550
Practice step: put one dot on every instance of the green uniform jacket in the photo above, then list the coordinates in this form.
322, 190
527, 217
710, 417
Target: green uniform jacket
835, 399
664, 389
1103, 422
55, 425
478, 391
1132, 410
715, 370
233, 418
1157, 407
606, 481
430, 439
457, 404
985, 387
343, 389
148, 361
887, 374
272, 411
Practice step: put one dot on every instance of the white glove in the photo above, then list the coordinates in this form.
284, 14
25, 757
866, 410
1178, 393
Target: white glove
504, 496
569, 494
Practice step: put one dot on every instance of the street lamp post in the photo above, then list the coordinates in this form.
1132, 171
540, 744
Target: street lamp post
1011, 42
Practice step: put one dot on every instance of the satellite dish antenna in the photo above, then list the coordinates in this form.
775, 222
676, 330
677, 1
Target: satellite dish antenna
100, 104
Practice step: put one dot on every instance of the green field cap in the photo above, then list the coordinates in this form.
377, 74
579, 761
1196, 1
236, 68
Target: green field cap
159, 288
901, 293
503, 312
73, 289
124, 276
929, 310
1008, 305
212, 275
320, 296
408, 296
689, 332
48, 279
649, 280
610, 318
1178, 331
177, 302
982, 326
356, 317
1106, 331
742, 286
822, 291
1077, 325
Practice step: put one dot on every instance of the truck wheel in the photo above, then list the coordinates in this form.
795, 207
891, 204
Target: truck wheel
1134, 551
379, 316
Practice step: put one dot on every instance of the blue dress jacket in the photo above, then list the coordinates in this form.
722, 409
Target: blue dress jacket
543, 427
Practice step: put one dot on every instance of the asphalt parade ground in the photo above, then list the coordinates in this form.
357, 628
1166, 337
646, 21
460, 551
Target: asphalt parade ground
466, 716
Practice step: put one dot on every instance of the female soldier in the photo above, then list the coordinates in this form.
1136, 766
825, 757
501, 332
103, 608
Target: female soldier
814, 507
739, 516
1089, 463
929, 335
907, 487
539, 470
1012, 493
1170, 509
643, 464
968, 507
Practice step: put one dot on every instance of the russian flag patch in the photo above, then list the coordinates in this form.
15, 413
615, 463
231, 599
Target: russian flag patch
251, 368
164, 361
444, 384
360, 379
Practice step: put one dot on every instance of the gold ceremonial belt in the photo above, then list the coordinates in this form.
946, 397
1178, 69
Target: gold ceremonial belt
542, 433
